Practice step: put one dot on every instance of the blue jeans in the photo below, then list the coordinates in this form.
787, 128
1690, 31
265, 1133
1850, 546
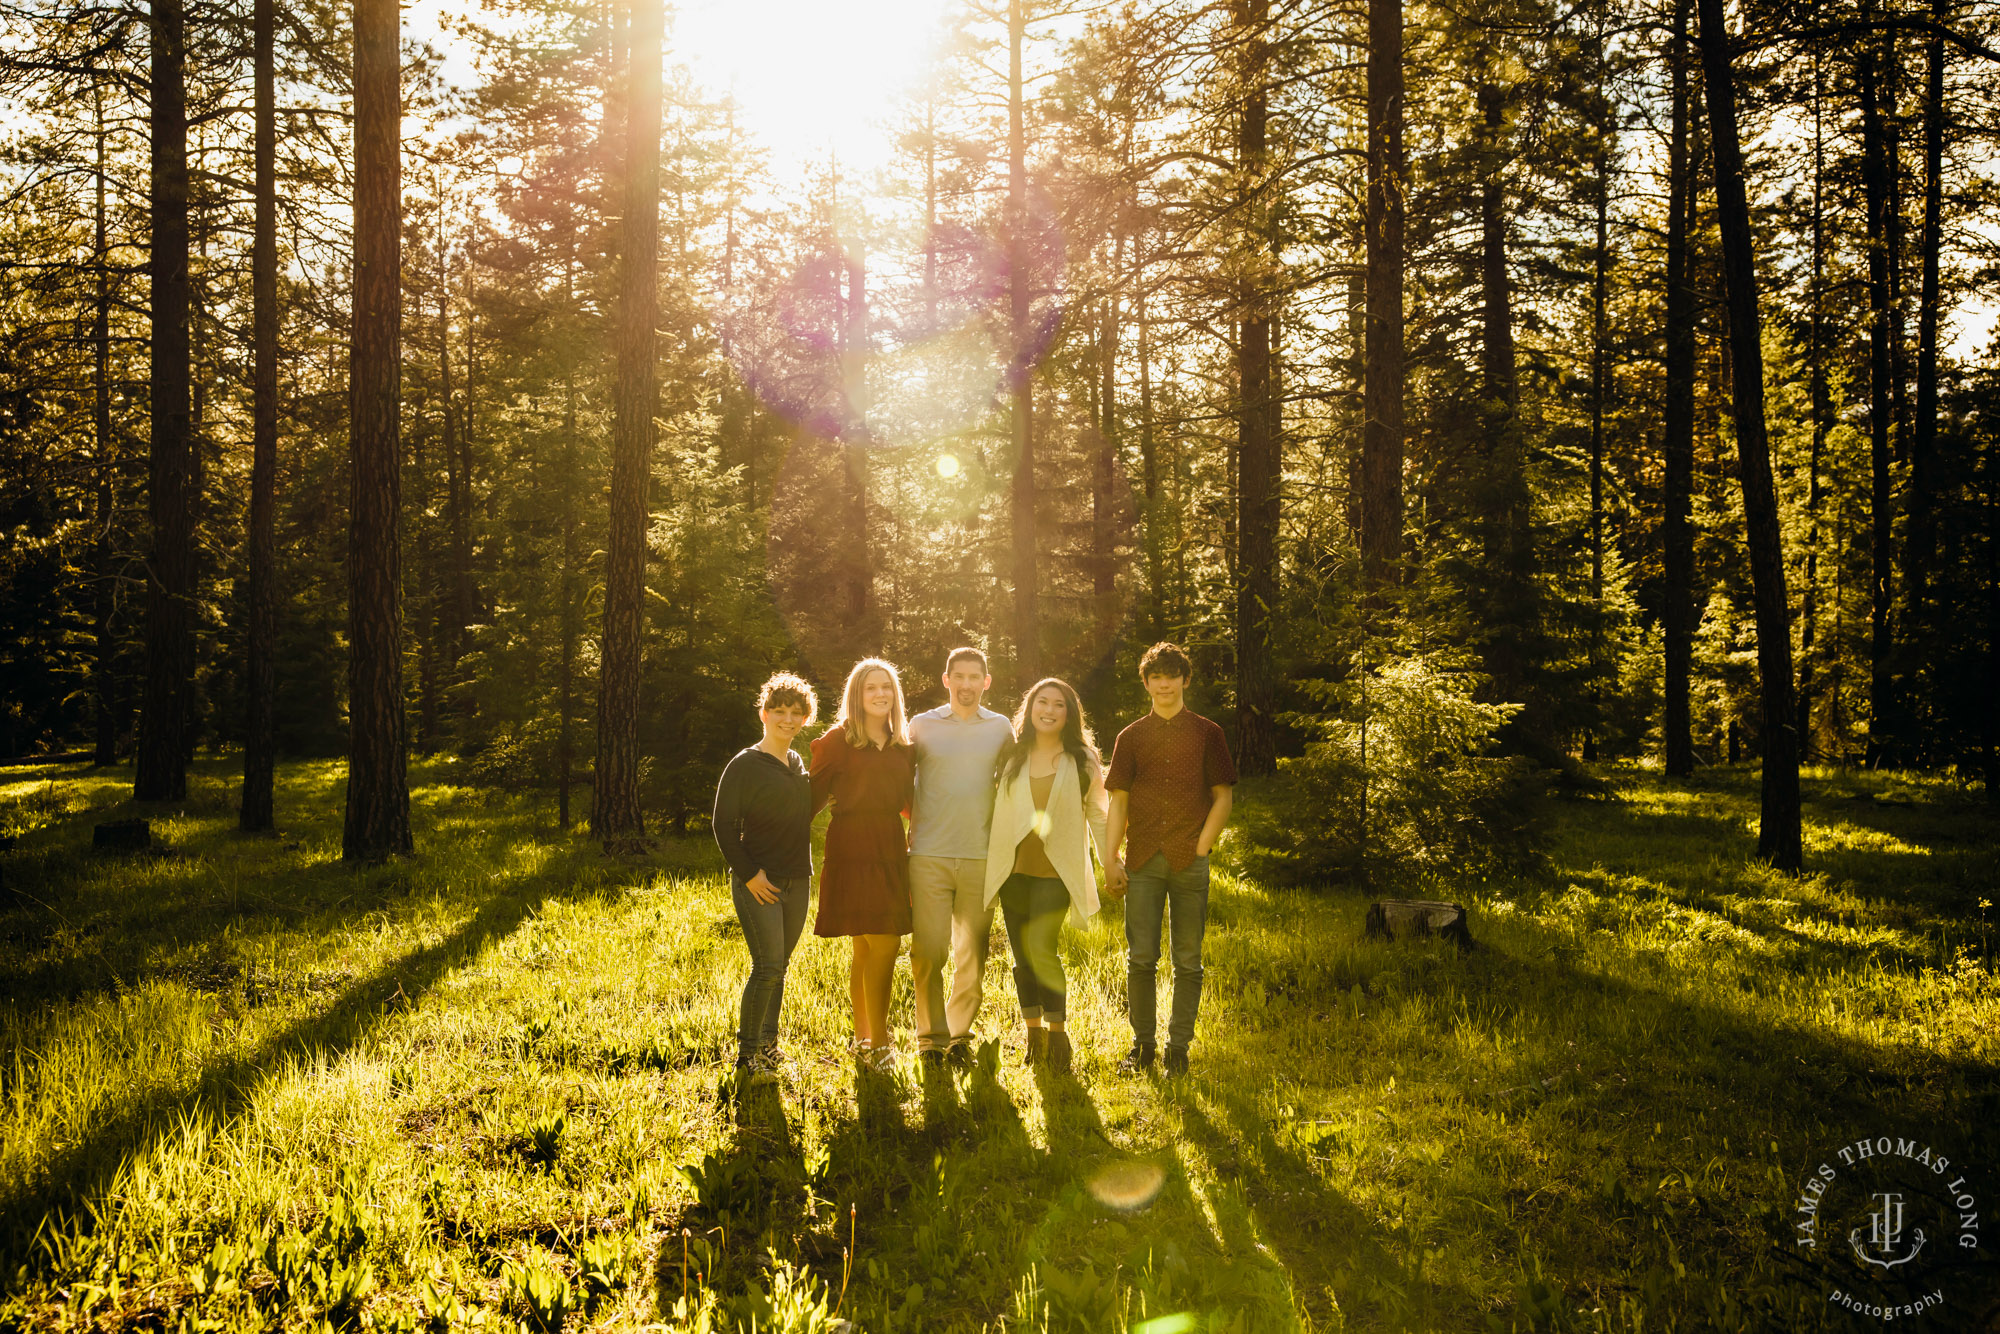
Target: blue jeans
1034, 907
1153, 888
771, 930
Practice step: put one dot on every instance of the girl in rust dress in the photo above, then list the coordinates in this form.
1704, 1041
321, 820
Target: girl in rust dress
864, 766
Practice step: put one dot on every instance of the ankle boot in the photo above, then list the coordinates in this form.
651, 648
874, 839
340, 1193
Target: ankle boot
1058, 1051
1038, 1047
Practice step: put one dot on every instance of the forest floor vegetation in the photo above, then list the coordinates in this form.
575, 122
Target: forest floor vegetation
243, 1085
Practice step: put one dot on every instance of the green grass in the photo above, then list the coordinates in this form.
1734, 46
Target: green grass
243, 1085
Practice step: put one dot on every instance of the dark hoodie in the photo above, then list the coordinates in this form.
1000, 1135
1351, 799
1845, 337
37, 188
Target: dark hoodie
763, 815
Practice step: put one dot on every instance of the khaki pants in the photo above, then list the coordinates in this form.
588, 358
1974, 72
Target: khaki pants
949, 918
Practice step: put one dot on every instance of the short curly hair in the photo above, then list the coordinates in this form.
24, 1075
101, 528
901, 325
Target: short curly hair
1165, 659
786, 691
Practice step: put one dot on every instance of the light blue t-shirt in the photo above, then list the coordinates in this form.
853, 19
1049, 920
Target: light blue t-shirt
953, 809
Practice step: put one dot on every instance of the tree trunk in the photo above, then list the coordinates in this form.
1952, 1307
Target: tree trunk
1260, 449
167, 711
1920, 530
1677, 445
615, 815
566, 680
423, 594
1104, 476
1600, 369
1778, 831
1495, 290
378, 795
854, 442
455, 604
260, 657
1382, 392
1884, 720
1501, 505
1027, 609
1149, 455
105, 693
1818, 389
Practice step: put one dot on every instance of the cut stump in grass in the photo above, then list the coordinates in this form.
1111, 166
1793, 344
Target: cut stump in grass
133, 835
1390, 918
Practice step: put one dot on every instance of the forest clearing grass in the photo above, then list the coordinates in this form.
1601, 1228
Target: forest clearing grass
243, 1085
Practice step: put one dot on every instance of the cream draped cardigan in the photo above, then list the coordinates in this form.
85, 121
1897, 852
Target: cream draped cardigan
1067, 836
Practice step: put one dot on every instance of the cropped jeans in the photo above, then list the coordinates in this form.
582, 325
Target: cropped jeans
1034, 907
1182, 897
771, 930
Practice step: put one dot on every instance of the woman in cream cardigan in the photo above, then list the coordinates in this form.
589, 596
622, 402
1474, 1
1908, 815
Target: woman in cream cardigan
1049, 810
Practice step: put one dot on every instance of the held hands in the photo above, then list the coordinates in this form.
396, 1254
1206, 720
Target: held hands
1116, 878
761, 888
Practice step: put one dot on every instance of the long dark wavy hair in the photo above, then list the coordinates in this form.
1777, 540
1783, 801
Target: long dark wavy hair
1076, 736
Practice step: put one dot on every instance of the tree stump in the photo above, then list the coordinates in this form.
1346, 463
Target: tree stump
122, 835
1388, 918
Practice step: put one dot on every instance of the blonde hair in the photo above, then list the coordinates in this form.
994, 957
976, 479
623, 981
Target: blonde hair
849, 719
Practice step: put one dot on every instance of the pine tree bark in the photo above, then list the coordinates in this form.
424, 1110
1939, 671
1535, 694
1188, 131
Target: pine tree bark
858, 568
378, 796
1778, 829
1382, 387
1677, 445
1884, 715
1149, 455
1027, 607
105, 693
260, 656
1502, 507
1259, 446
457, 601
167, 708
566, 672
1600, 371
615, 814
1104, 475
1821, 408
1920, 529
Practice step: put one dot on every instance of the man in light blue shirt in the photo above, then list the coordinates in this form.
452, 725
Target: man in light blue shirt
958, 749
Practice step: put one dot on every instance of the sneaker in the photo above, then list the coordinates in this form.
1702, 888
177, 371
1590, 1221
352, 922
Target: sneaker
1175, 1060
1038, 1046
1137, 1060
959, 1054
932, 1058
766, 1065
1059, 1051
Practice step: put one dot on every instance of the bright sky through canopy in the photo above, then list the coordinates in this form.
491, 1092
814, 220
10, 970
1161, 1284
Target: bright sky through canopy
810, 76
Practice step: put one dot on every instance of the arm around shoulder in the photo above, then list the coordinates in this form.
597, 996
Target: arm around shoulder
827, 751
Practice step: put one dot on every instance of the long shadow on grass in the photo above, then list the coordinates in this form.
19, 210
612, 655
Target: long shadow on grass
70, 1179
1727, 1084
1322, 1241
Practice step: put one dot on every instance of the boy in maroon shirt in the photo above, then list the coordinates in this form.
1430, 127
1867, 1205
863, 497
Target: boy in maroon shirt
1170, 781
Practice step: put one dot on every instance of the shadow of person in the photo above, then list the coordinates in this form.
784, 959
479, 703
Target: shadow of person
226, 1089
943, 1108
751, 1196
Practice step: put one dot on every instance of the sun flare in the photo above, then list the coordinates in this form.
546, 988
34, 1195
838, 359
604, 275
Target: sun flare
810, 78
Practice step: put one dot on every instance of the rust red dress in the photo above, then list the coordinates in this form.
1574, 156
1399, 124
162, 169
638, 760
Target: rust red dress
864, 881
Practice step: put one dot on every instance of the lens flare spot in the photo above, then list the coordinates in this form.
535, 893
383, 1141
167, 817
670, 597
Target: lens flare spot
1178, 1323
1127, 1187
947, 465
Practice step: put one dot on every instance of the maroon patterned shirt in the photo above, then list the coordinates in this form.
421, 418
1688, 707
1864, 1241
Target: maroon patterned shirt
1168, 765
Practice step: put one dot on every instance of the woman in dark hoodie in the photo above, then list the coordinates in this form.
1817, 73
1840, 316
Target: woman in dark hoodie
763, 824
